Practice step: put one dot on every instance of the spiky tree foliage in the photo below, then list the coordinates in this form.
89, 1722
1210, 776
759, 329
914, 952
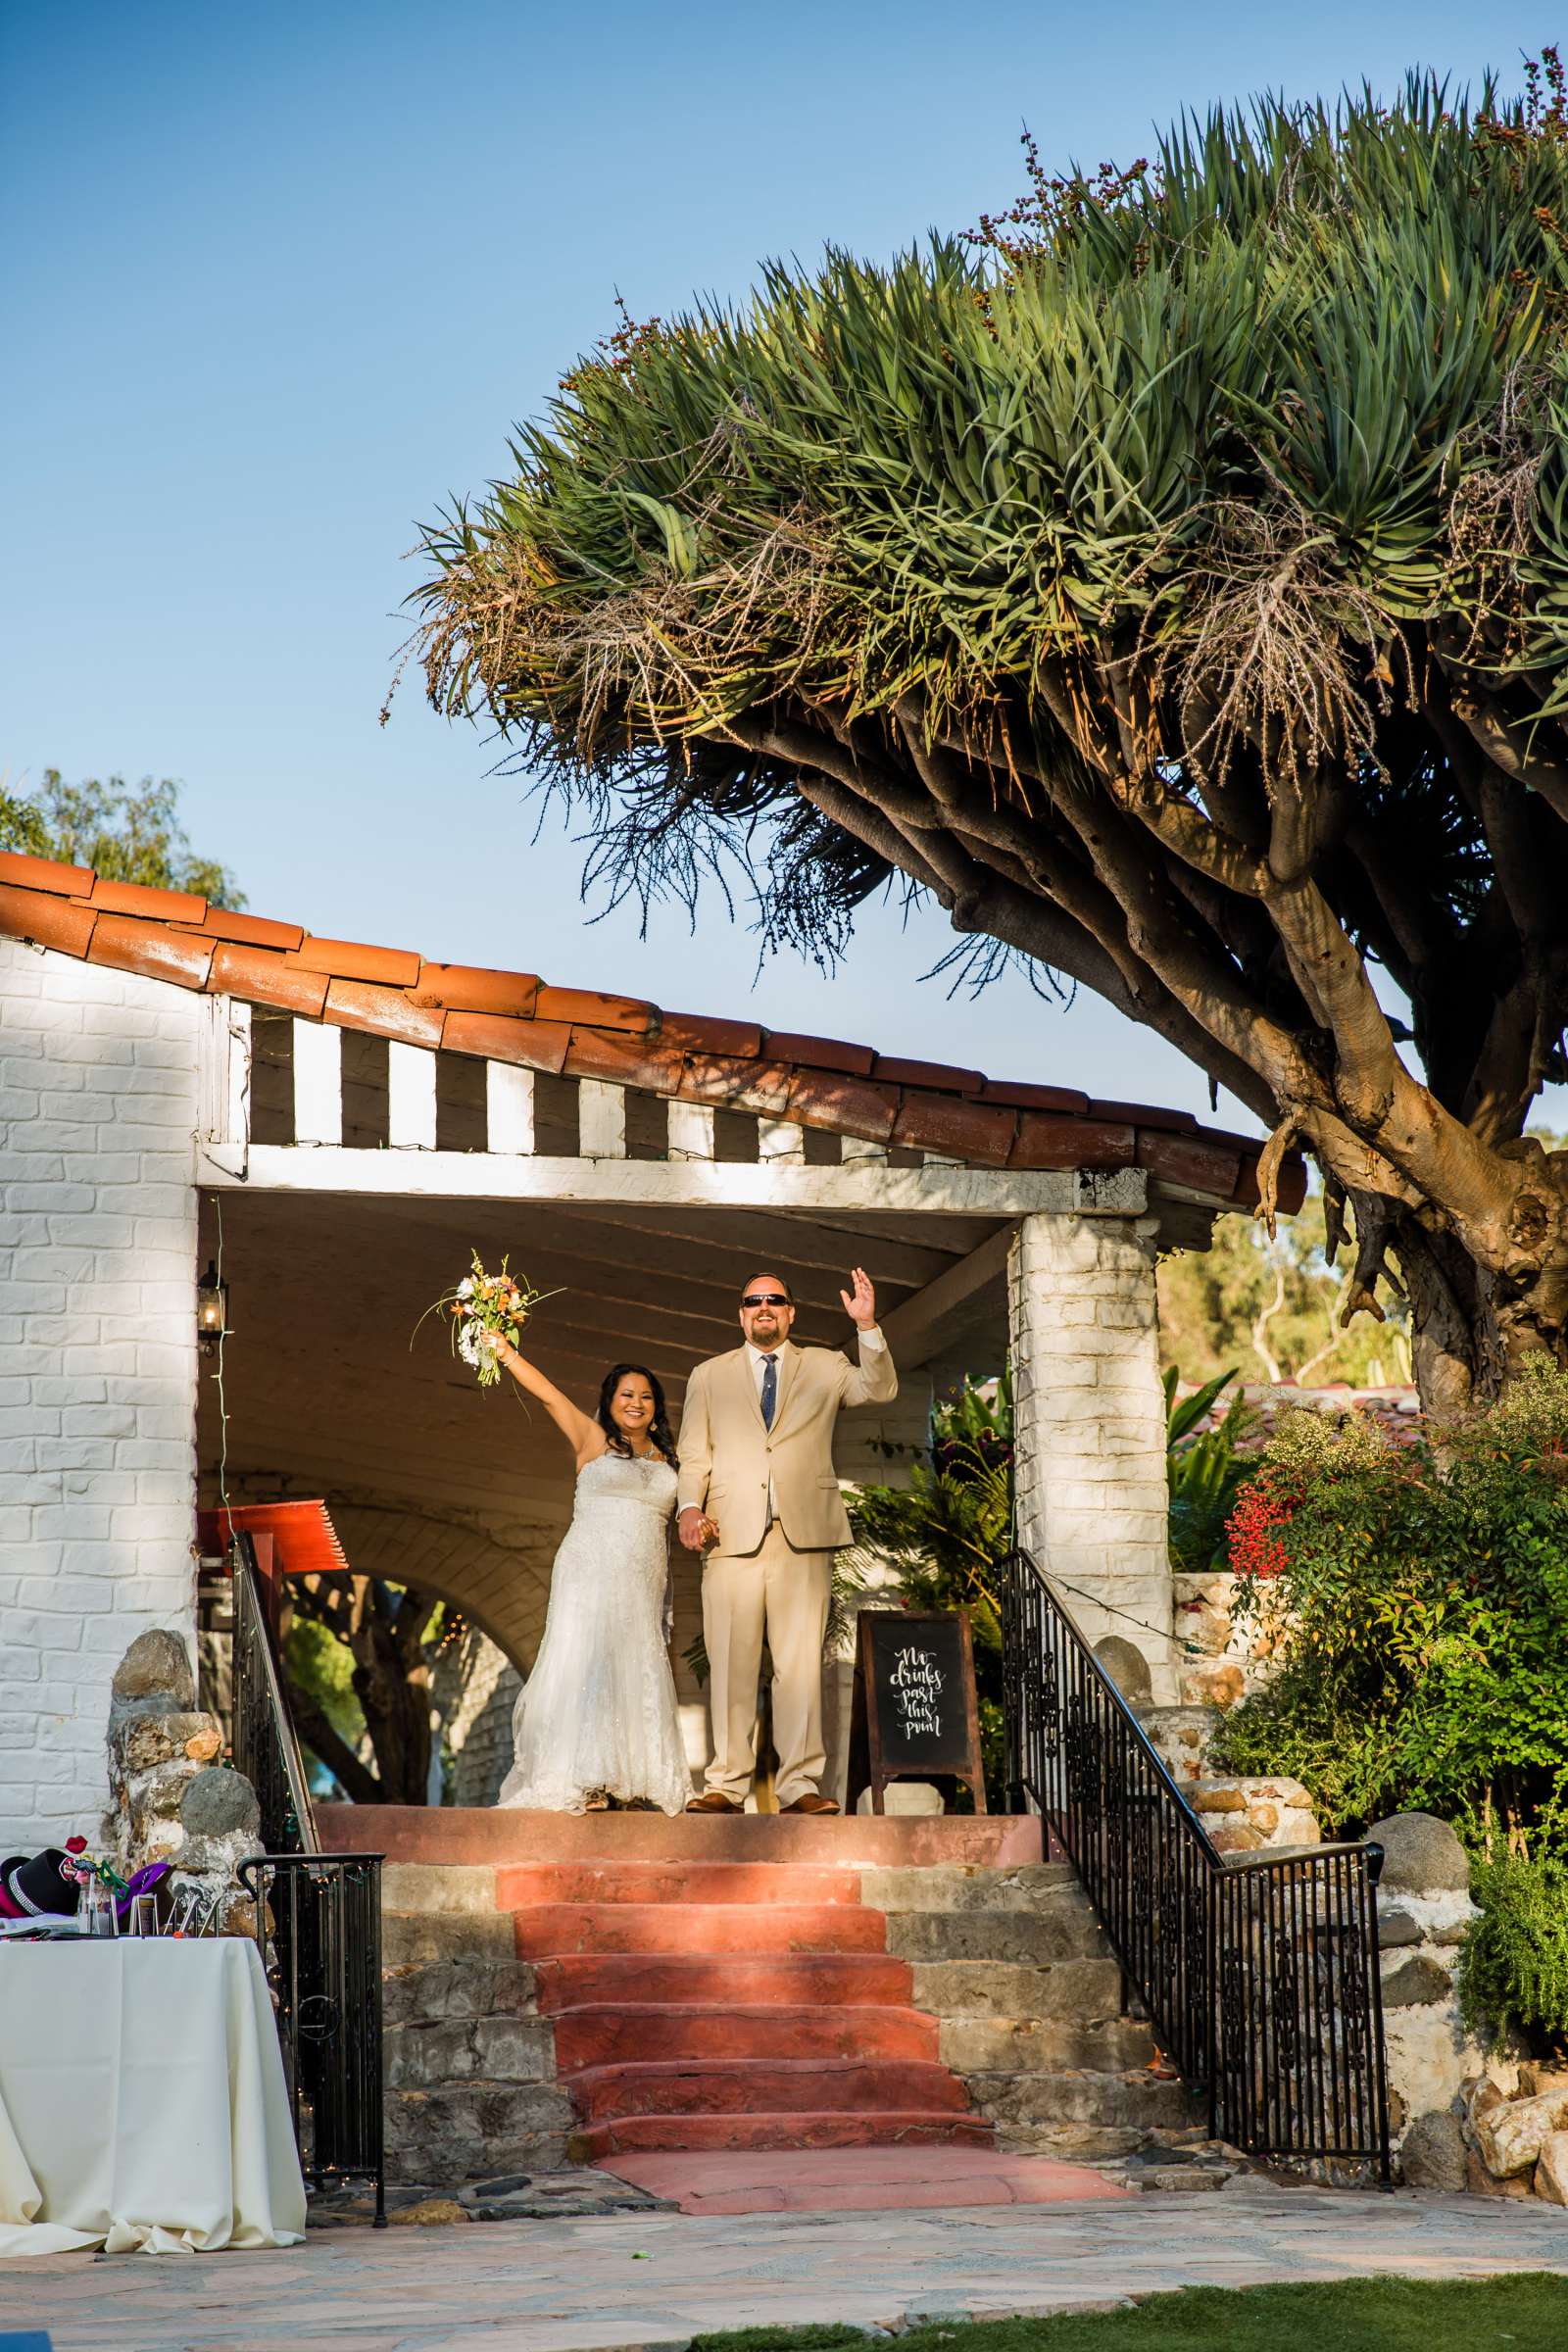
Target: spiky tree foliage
1172, 581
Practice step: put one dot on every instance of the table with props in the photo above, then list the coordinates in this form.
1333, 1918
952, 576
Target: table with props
142, 2099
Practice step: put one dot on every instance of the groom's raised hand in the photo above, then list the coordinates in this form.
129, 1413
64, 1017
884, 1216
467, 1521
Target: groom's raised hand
859, 1300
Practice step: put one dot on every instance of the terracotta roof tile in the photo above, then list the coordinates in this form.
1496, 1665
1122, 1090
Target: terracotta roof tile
351, 960
249, 930
1019, 1094
855, 1106
1145, 1114
50, 923
819, 1053
947, 1123
383, 1011
155, 951
689, 1033
470, 988
1046, 1140
536, 1045
42, 874
155, 906
763, 1087
1190, 1160
821, 1083
622, 1061
264, 978
936, 1076
585, 1009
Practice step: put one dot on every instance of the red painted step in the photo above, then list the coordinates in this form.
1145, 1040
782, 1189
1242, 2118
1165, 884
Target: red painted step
545, 1930
530, 1884
497, 1836
708, 2087
824, 2129
612, 2034
820, 1979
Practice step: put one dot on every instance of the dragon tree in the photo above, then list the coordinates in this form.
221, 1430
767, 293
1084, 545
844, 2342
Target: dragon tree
1170, 579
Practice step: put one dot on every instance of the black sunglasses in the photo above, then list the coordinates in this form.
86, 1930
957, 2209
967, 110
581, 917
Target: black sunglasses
764, 1299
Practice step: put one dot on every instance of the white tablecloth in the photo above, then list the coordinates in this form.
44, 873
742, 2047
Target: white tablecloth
142, 2100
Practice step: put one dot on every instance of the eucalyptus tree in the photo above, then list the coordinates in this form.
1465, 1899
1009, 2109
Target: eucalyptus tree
1171, 580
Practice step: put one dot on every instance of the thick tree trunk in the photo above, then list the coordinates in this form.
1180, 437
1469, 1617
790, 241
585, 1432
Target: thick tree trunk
395, 1694
1473, 1329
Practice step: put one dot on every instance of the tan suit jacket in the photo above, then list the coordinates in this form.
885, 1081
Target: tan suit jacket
728, 1455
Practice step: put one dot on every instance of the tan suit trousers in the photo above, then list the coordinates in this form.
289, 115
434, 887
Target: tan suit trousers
784, 1594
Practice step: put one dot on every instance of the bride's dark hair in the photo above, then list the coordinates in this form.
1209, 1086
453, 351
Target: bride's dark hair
658, 1428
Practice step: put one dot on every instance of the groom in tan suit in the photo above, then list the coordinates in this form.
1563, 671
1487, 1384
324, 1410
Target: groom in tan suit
757, 1482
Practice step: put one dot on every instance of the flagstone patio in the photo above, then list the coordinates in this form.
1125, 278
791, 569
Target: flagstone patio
658, 2279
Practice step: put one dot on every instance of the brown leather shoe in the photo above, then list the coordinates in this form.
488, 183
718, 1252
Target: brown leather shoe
713, 1800
811, 1802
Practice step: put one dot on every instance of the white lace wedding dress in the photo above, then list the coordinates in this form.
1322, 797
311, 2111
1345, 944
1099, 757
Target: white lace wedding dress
598, 1712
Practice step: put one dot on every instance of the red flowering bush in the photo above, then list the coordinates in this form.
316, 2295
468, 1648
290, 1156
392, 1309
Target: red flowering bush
1252, 1530
1416, 1610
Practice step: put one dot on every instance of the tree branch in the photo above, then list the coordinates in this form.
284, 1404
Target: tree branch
357, 1783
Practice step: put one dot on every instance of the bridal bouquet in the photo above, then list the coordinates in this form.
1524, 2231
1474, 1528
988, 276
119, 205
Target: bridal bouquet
482, 1303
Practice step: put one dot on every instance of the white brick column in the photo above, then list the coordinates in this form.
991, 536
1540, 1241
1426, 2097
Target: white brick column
98, 1106
1091, 1481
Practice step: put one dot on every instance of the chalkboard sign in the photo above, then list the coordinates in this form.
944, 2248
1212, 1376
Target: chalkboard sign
913, 1715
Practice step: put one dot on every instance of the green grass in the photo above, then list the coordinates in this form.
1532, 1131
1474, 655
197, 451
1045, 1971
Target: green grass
1527, 2313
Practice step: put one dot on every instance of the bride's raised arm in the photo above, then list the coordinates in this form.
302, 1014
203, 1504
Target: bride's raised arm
582, 1434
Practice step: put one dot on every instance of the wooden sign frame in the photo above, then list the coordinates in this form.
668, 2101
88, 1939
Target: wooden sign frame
868, 1765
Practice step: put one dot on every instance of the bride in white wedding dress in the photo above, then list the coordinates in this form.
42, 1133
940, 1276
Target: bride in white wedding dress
597, 1719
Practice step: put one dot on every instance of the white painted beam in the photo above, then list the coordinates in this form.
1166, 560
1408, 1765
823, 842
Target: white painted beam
691, 1130
869, 1188
780, 1143
411, 1098
601, 1120
852, 1150
317, 1084
509, 1107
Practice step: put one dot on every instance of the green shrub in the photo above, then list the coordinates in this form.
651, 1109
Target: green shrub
1207, 1469
1513, 1971
1417, 1610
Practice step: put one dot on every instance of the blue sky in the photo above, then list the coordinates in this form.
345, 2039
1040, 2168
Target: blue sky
275, 283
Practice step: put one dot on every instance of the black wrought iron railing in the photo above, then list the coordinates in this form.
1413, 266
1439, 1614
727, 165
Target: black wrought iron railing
263, 1744
1258, 1971
318, 1922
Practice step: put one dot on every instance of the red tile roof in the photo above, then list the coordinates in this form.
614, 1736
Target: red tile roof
175, 936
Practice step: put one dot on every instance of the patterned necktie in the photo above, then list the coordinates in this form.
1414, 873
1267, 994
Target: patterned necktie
769, 1389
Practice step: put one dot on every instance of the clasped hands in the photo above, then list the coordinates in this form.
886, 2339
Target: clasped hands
696, 1530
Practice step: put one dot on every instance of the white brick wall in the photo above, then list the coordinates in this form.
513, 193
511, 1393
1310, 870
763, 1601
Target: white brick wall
1091, 1480
98, 1105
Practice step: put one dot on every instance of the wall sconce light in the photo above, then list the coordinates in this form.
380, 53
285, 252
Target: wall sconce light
211, 1309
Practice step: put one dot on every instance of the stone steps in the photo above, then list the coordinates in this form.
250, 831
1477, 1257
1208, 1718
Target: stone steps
447, 1835
683, 2088
1061, 1929
1066, 1990
611, 2033
594, 2143
721, 1982
1085, 2112
521, 1886
546, 1931
1043, 2045
628, 1982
